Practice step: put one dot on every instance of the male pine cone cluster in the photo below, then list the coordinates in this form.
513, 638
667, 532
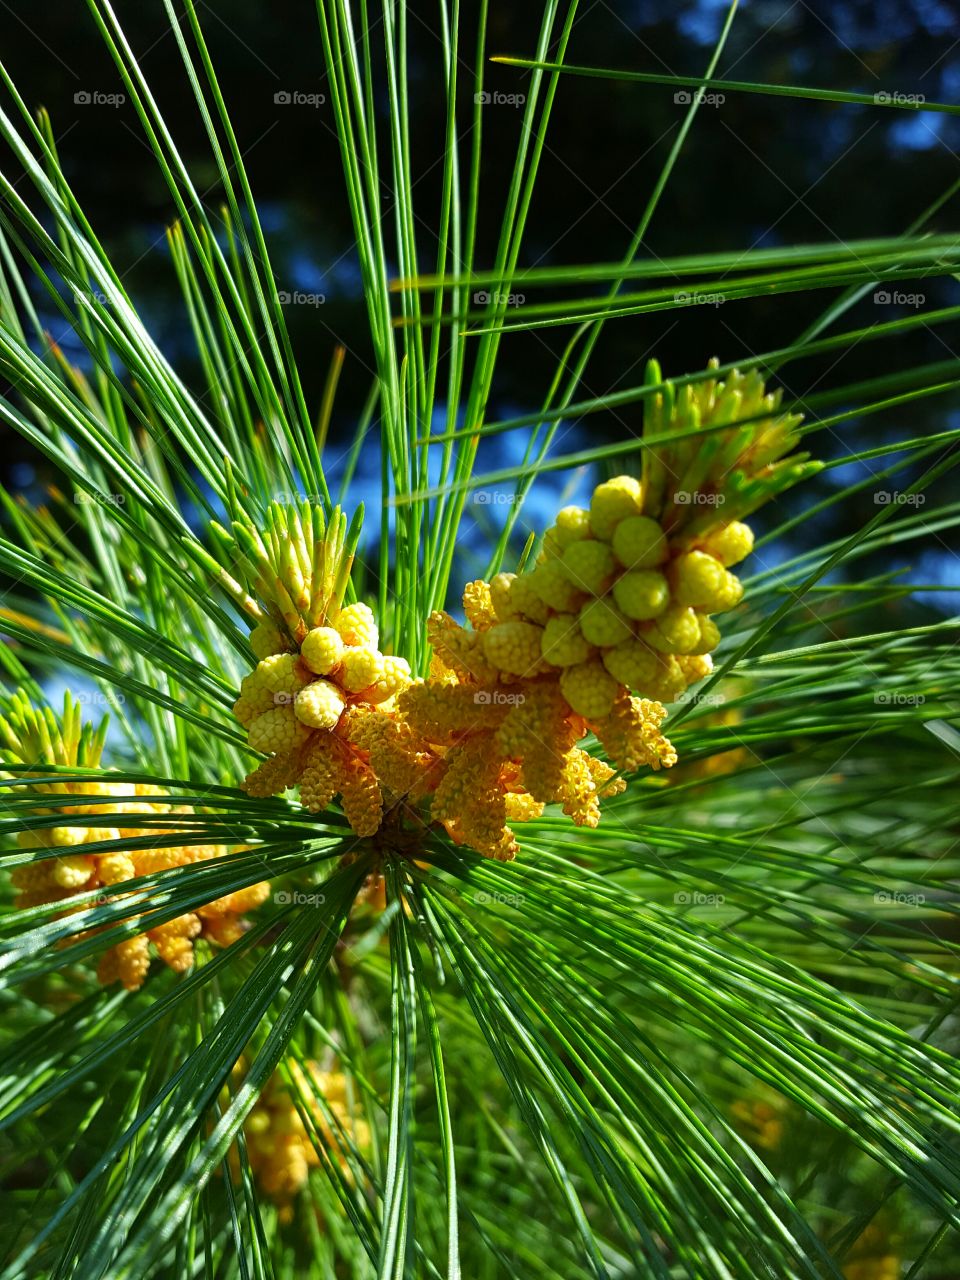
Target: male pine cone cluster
615, 619
36, 738
302, 709
280, 1147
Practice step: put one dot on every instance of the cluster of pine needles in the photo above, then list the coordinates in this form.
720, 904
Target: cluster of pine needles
391, 898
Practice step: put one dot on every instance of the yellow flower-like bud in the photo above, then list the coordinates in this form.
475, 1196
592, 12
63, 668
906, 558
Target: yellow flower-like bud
589, 565
72, 871
65, 837
639, 543
501, 597
572, 524
633, 665
641, 594
631, 734
319, 705
695, 666
359, 793
513, 647
397, 754
478, 605
551, 547
280, 673
521, 807
471, 800
360, 667
563, 644
525, 600
709, 635
321, 650
114, 867
538, 733
729, 595
603, 624
697, 579
265, 639
613, 501
394, 676
174, 941
273, 776
255, 698
357, 625
127, 962
554, 588
318, 782
730, 544
589, 689
578, 791
247, 710
677, 630
277, 731
456, 649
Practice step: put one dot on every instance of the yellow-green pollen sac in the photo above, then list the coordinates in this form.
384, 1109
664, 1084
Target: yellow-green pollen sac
614, 601
319, 662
